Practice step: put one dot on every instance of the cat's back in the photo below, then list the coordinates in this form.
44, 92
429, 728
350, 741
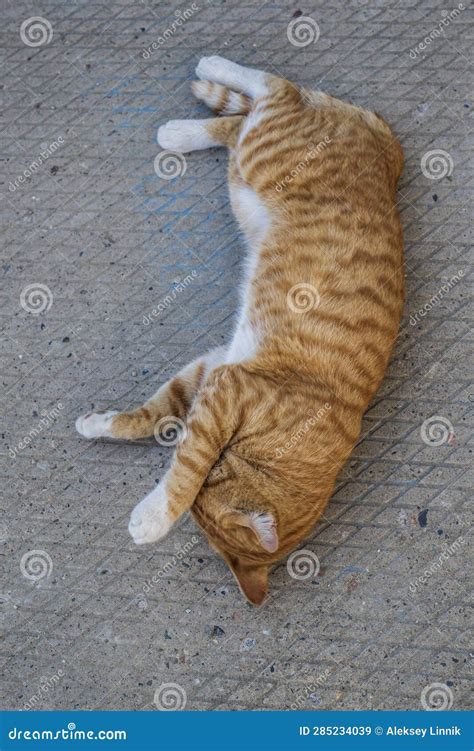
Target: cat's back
327, 293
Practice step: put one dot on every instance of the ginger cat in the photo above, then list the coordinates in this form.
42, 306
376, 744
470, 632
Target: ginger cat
272, 417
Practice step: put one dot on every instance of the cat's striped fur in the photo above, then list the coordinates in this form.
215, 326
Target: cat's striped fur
273, 417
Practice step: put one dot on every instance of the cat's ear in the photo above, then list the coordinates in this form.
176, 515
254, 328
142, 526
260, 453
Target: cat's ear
262, 524
265, 528
252, 580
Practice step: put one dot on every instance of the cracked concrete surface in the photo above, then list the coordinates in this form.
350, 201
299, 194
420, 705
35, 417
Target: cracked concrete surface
94, 240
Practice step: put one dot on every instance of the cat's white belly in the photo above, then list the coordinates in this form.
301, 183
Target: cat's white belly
244, 343
255, 221
252, 214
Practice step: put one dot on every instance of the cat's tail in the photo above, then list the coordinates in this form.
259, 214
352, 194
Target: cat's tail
222, 100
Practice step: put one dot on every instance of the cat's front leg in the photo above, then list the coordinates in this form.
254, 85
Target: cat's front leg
151, 518
96, 424
173, 399
210, 427
186, 135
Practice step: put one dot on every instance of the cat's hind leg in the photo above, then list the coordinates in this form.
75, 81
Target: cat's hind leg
253, 83
193, 135
173, 399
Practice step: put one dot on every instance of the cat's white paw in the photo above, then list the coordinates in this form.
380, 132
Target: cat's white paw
150, 519
209, 67
95, 425
184, 135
